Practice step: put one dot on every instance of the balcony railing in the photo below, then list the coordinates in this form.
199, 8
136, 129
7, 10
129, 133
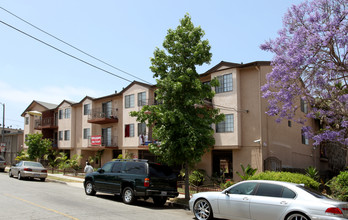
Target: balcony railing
49, 122
98, 116
111, 141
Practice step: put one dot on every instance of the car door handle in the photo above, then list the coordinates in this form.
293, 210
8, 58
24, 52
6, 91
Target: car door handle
245, 198
283, 203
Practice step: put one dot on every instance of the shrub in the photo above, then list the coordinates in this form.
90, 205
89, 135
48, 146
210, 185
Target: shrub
227, 184
339, 186
196, 178
247, 172
287, 177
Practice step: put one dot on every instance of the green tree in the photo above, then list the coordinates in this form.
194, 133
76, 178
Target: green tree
22, 155
51, 157
182, 121
73, 163
37, 146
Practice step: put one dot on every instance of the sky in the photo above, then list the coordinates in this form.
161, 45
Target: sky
123, 34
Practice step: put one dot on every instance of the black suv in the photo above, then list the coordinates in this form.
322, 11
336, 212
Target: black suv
133, 179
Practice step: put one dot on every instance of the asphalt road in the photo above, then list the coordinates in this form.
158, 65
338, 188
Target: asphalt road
32, 199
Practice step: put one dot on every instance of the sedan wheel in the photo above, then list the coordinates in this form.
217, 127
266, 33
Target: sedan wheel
202, 210
20, 176
10, 174
297, 216
89, 189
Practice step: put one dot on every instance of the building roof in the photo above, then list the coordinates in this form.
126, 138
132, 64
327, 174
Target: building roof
229, 65
46, 105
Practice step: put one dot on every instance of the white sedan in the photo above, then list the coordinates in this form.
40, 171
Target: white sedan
267, 200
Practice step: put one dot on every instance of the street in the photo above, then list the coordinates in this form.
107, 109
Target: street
32, 199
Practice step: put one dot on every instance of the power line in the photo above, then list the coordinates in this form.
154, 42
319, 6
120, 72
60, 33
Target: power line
73, 46
72, 56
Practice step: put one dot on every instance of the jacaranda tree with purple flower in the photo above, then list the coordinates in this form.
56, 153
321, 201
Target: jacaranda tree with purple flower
311, 63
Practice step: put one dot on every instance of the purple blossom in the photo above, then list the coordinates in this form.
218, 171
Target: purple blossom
311, 62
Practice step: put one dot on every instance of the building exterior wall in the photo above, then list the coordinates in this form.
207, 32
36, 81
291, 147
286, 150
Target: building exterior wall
255, 138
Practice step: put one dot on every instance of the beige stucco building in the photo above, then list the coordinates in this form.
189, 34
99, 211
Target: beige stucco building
247, 136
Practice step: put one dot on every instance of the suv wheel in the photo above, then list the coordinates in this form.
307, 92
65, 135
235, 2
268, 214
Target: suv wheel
89, 189
159, 201
128, 195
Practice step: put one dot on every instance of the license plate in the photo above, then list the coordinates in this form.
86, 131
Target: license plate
36, 175
163, 193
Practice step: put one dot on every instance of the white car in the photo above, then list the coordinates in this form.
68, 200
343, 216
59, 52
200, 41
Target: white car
267, 200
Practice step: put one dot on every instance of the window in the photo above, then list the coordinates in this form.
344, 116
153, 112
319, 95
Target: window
141, 129
225, 83
106, 137
107, 109
287, 193
129, 130
67, 135
243, 188
141, 98
129, 101
26, 120
304, 106
117, 168
86, 109
86, 133
270, 190
305, 139
60, 135
227, 125
135, 168
67, 112
289, 123
108, 167
60, 114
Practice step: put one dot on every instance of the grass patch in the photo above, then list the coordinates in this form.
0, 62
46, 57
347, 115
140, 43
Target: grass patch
62, 179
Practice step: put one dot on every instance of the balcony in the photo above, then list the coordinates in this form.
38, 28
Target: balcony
98, 116
49, 123
107, 142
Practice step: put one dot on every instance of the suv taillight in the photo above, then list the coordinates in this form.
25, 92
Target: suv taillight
146, 182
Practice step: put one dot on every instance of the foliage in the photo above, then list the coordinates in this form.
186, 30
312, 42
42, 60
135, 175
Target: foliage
62, 158
22, 155
287, 177
196, 177
247, 172
37, 146
339, 186
51, 157
227, 184
181, 121
313, 173
74, 162
311, 63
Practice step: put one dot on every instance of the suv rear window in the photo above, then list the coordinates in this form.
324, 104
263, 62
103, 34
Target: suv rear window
157, 170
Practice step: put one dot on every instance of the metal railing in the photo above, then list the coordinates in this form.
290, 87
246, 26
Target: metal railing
99, 113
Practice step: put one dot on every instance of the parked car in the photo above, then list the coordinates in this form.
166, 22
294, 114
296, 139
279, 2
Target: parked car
2, 164
28, 169
266, 200
133, 179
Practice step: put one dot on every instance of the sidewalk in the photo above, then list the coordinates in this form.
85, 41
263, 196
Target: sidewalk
66, 179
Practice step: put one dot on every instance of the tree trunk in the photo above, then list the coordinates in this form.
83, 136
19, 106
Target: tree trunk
187, 183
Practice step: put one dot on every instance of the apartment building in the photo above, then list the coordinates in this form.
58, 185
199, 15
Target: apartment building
247, 136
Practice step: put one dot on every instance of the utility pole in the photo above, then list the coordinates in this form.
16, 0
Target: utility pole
3, 124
